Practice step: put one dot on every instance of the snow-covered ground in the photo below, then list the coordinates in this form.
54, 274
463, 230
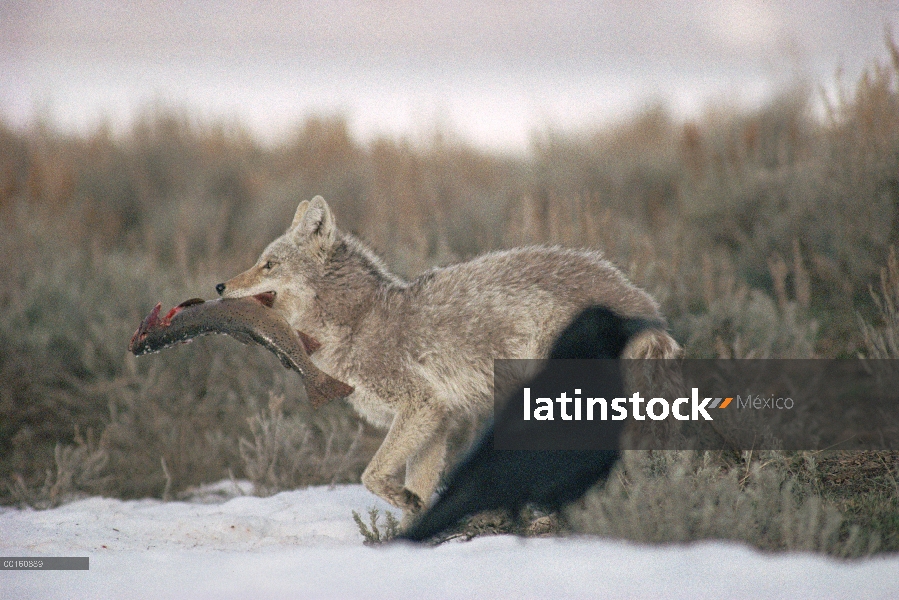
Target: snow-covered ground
304, 544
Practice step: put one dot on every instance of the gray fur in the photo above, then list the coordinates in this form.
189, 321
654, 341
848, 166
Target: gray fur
420, 353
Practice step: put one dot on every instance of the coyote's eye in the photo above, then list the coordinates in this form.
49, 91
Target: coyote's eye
269, 265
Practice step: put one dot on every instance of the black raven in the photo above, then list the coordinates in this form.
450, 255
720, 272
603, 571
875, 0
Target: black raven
489, 479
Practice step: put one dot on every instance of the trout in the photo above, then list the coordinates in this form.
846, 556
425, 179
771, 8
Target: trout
249, 319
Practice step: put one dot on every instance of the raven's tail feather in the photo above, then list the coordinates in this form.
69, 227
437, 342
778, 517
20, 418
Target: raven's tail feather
446, 512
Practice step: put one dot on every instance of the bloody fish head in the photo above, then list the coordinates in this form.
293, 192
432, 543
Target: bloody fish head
149, 322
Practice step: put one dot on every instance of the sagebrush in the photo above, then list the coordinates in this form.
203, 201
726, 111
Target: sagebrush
763, 233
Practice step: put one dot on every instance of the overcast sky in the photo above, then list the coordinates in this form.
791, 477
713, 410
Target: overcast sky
492, 71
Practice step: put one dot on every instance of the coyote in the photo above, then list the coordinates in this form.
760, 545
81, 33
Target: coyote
420, 353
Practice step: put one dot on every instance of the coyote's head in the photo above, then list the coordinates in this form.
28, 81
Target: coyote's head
293, 264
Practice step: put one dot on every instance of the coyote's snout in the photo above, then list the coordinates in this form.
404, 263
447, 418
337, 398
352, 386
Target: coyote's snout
420, 353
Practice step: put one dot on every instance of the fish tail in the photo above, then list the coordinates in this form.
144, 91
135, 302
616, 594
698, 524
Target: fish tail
325, 388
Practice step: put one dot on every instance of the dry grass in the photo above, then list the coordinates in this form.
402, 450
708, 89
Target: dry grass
761, 232
289, 452
675, 496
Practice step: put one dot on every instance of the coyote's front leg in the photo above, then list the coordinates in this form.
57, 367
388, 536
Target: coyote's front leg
423, 468
410, 432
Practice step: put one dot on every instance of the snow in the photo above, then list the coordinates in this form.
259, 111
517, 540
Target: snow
304, 544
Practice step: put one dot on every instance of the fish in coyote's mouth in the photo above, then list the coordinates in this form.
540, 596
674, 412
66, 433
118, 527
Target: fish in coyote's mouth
249, 320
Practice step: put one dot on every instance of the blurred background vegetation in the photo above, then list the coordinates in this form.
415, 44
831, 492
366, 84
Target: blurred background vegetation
763, 233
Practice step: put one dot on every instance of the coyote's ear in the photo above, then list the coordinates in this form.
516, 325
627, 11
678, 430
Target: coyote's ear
316, 224
298, 216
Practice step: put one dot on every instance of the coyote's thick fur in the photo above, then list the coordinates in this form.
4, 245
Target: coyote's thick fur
420, 353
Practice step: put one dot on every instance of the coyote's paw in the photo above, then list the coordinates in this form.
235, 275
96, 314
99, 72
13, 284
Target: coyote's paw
405, 499
412, 501
393, 492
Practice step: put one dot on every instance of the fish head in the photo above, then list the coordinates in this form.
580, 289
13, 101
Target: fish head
152, 320
142, 342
